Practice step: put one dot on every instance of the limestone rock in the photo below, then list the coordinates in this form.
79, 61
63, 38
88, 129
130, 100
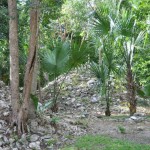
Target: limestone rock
141, 128
34, 137
35, 145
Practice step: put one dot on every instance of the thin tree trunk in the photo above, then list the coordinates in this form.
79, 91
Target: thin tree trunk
131, 91
14, 62
32, 112
108, 112
31, 62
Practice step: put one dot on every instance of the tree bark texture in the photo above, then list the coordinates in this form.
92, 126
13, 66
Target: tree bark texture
32, 112
131, 90
30, 67
14, 60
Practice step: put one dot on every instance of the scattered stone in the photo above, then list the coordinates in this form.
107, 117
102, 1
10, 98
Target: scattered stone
99, 116
34, 137
3, 105
18, 145
141, 128
129, 120
15, 149
82, 108
2, 84
6, 114
11, 140
137, 119
6, 148
46, 137
68, 103
5, 139
34, 124
1, 143
139, 114
133, 117
83, 116
35, 145
91, 82
94, 100
2, 123
78, 105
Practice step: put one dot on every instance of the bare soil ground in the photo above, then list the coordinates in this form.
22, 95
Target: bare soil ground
135, 132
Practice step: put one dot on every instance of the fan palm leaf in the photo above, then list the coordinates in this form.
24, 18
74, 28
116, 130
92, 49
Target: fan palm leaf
54, 61
125, 24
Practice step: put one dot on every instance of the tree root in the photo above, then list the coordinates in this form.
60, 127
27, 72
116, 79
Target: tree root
20, 122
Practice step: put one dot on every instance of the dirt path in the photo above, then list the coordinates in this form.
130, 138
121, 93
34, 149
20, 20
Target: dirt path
136, 132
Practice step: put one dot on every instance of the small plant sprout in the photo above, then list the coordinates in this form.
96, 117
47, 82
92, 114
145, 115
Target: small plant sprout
122, 129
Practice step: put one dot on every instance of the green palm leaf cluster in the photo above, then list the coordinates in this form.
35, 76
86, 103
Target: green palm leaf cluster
145, 91
99, 71
54, 61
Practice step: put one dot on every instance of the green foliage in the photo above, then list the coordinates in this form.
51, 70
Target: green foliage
35, 100
4, 52
80, 52
145, 92
125, 24
61, 58
55, 60
4, 61
101, 24
100, 72
50, 10
51, 142
4, 20
55, 120
74, 16
90, 142
122, 129
44, 107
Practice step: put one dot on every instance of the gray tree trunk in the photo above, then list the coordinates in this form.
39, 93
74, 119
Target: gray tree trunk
21, 112
14, 62
32, 113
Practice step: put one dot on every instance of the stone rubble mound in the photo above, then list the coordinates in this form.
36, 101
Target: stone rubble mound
79, 103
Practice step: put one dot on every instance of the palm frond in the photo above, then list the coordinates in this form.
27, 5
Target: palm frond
101, 25
140, 38
80, 50
99, 71
54, 61
125, 25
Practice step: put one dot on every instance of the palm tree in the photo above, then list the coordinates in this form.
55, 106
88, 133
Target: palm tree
103, 72
119, 23
128, 41
63, 56
54, 62
103, 40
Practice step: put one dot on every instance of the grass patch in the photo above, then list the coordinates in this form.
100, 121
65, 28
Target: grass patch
90, 142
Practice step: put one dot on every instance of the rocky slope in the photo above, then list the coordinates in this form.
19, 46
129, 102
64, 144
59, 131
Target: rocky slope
81, 111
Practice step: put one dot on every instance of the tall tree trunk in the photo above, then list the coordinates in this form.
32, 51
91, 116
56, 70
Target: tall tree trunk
14, 62
30, 66
32, 112
131, 90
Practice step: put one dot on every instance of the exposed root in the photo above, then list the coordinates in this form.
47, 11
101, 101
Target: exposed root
20, 122
22, 119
